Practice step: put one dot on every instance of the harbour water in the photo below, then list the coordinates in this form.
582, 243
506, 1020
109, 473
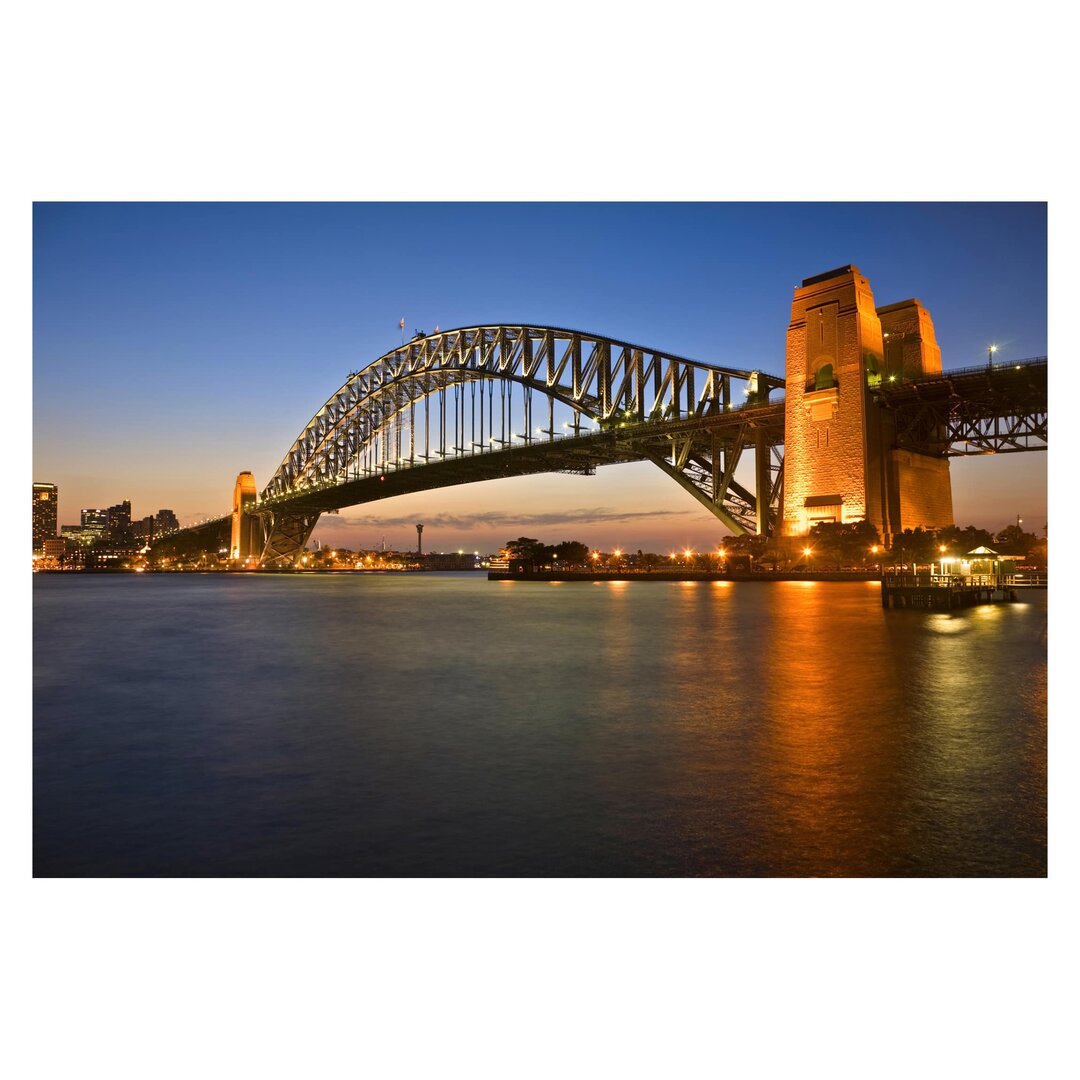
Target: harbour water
444, 725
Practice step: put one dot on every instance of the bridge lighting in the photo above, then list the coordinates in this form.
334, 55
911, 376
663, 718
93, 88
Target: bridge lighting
807, 552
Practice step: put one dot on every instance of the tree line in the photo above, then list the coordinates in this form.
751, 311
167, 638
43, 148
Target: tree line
839, 544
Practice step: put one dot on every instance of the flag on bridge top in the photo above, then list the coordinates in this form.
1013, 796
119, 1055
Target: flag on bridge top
436, 329
401, 324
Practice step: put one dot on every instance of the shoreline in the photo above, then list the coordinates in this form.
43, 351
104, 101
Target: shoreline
683, 575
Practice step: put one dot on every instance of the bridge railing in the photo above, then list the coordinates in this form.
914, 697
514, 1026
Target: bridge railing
978, 369
932, 579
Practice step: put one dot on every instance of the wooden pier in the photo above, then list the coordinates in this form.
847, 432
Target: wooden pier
940, 592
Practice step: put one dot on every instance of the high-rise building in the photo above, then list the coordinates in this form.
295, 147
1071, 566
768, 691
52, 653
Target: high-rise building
118, 528
144, 529
45, 497
166, 522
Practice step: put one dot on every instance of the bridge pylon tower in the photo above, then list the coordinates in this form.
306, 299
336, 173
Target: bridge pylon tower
841, 461
246, 537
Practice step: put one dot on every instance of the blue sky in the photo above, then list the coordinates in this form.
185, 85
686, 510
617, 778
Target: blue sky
175, 344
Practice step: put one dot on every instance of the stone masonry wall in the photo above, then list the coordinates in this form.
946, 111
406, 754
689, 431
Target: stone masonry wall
923, 491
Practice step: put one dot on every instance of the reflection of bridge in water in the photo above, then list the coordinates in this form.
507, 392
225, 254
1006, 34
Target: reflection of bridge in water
489, 402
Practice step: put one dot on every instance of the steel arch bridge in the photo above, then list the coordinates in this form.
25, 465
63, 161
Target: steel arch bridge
481, 402
488, 402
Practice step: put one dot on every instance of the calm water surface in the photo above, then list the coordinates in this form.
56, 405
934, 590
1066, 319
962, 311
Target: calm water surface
440, 724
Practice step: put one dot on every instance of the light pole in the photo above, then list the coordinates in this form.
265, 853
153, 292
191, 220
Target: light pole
990, 350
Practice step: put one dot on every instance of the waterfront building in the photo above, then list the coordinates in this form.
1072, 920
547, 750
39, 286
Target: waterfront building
44, 528
54, 549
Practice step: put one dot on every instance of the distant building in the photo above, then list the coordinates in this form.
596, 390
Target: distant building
94, 519
81, 535
118, 527
165, 521
45, 498
454, 560
54, 549
145, 529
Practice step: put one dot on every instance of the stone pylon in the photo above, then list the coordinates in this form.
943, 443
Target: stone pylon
841, 463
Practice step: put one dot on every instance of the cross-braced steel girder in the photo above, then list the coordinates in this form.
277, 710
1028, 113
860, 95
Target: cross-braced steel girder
702, 459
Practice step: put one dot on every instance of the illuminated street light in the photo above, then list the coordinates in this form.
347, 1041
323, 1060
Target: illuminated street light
990, 350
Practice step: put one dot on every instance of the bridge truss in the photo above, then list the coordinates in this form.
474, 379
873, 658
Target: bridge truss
477, 402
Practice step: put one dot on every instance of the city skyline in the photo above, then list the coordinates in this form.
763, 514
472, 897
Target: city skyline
197, 339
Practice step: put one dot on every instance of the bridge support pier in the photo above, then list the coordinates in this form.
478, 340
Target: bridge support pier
762, 482
286, 537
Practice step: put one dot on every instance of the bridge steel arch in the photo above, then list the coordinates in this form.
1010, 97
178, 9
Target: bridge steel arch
623, 402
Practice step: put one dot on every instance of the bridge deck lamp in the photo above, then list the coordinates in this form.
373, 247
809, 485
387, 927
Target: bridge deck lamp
990, 350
